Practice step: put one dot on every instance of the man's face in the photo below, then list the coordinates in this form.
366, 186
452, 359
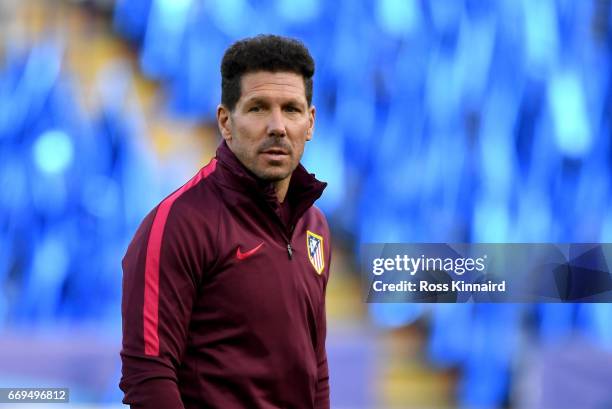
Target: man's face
270, 124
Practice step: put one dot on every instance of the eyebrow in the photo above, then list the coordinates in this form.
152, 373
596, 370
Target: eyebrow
263, 100
255, 100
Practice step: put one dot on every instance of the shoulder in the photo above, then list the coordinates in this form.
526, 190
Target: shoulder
316, 219
197, 201
182, 228
196, 190
187, 213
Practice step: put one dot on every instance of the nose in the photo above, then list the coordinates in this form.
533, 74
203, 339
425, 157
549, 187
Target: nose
276, 124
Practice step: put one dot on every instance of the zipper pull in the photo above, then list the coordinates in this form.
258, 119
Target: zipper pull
289, 250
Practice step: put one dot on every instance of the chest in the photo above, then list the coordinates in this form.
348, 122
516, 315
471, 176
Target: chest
263, 271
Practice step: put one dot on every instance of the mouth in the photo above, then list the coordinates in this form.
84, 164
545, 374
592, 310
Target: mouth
275, 153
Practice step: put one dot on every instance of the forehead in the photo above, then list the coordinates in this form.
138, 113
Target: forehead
264, 84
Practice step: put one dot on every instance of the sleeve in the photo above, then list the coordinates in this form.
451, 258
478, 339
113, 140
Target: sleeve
322, 392
159, 289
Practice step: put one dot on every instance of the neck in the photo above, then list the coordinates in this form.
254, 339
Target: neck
281, 187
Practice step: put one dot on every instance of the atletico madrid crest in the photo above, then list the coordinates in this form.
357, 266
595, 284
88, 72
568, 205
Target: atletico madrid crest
314, 245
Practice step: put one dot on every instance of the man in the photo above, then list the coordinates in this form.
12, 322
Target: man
224, 281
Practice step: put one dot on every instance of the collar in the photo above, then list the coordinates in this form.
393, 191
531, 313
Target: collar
304, 188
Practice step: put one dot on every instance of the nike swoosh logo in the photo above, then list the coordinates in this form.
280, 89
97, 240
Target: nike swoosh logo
241, 256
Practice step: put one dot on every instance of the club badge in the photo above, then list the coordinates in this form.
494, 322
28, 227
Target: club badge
314, 246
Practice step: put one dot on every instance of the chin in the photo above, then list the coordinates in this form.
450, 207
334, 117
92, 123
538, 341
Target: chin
275, 171
273, 175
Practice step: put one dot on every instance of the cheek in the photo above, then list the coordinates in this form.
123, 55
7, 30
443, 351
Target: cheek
300, 132
247, 135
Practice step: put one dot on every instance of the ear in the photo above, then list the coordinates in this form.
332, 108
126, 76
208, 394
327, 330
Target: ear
311, 121
224, 122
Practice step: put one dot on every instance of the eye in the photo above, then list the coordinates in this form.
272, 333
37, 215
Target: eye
254, 108
291, 108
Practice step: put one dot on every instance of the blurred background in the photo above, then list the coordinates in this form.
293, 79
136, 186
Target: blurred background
437, 121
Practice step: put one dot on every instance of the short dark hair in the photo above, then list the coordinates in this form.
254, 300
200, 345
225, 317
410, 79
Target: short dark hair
263, 53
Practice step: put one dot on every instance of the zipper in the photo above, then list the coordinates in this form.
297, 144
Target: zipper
289, 250
287, 234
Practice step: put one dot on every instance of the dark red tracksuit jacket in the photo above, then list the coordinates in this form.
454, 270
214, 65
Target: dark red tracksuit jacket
224, 296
